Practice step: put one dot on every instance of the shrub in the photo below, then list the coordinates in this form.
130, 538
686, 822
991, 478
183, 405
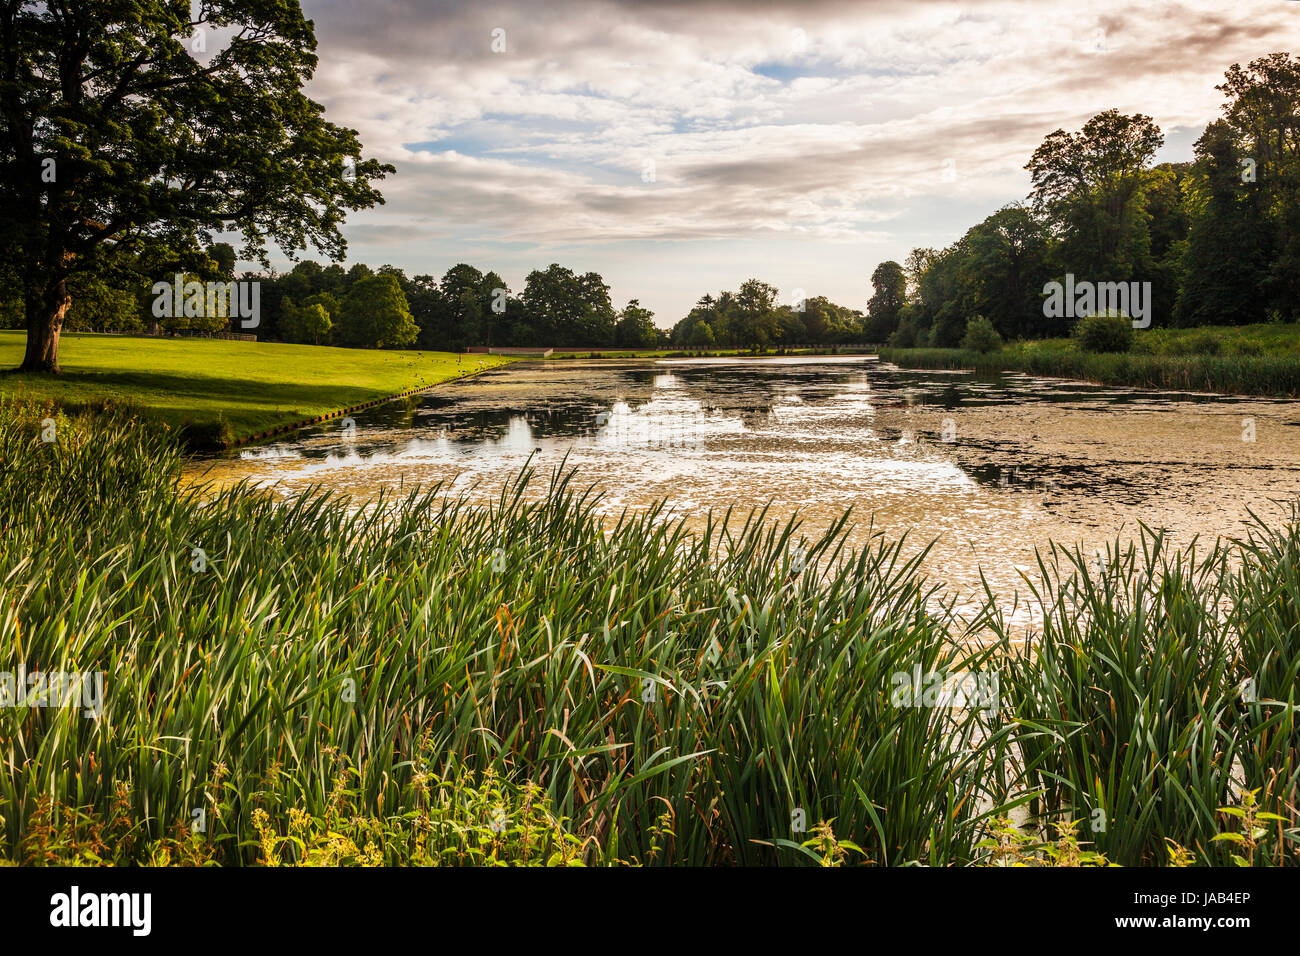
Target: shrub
1104, 333
981, 336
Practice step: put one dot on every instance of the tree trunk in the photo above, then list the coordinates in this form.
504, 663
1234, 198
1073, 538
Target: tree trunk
45, 313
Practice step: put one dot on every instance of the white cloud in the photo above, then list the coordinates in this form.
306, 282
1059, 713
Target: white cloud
874, 125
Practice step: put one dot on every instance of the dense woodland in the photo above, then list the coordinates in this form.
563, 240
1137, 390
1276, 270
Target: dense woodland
1218, 238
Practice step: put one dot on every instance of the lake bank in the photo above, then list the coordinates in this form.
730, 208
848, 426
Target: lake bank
1261, 360
219, 393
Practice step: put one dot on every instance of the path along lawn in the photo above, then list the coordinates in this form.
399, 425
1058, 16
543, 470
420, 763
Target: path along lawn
225, 389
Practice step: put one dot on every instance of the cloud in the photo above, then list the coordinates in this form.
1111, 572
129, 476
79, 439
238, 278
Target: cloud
670, 122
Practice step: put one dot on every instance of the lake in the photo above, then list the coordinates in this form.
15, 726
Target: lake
988, 467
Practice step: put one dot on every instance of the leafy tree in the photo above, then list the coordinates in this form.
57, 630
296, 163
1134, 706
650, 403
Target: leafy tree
207, 309
375, 314
223, 258
1090, 185
907, 335
945, 296
551, 298
1005, 267
308, 323
100, 307
463, 312
700, 335
636, 328
126, 119
754, 320
890, 284
595, 323
428, 311
790, 329
1263, 112
1225, 259
1169, 222
705, 311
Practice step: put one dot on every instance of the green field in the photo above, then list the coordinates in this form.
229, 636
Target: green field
219, 391
1244, 360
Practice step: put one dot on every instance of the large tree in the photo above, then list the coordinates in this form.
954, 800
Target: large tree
563, 308
887, 301
636, 328
1263, 112
1005, 268
1091, 187
754, 317
375, 315
126, 121
1225, 262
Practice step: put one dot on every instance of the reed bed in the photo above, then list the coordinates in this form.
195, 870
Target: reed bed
1272, 375
421, 679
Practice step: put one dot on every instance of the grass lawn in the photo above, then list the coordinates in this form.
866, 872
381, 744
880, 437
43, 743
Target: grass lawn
226, 391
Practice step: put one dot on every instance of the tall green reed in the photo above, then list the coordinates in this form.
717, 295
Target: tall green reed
725, 684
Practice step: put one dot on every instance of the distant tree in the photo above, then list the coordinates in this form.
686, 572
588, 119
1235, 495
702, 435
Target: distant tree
1169, 218
790, 328
309, 323
356, 273
636, 328
890, 285
595, 323
755, 321
375, 314
907, 335
465, 308
208, 311
428, 311
223, 258
944, 289
551, 298
562, 308
1004, 269
99, 307
705, 310
817, 319
700, 335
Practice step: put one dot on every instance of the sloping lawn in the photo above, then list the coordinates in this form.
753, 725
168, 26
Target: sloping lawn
233, 390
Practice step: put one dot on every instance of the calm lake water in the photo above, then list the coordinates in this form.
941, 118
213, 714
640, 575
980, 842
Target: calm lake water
990, 467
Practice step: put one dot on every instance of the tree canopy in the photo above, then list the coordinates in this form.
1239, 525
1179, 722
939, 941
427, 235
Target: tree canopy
130, 121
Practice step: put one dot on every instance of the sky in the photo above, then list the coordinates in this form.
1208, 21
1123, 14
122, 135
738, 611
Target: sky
679, 148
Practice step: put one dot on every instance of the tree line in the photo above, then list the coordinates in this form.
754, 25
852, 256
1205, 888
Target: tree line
356, 306
361, 307
1218, 238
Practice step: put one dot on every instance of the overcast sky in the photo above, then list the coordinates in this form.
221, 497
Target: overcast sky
681, 147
